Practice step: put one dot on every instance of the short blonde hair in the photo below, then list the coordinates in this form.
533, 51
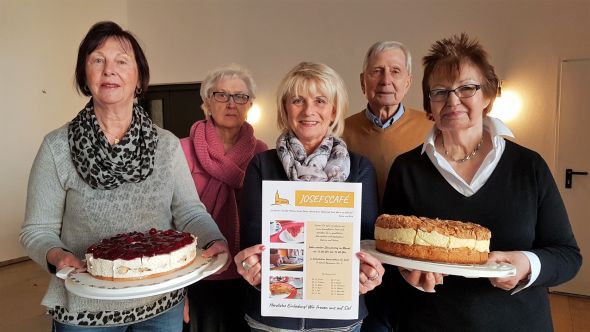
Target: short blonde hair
311, 78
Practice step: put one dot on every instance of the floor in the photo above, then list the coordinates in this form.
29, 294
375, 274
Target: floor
23, 285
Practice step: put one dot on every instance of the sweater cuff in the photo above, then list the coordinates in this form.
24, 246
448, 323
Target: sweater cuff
210, 243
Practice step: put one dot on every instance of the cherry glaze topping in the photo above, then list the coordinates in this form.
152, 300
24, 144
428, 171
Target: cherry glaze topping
294, 231
132, 245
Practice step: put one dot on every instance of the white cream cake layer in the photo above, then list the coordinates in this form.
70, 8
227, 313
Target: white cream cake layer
141, 267
409, 236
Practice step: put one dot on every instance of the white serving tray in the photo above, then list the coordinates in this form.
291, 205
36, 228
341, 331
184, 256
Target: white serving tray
463, 270
83, 284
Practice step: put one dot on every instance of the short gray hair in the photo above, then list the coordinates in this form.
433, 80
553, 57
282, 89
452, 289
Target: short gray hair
230, 71
382, 46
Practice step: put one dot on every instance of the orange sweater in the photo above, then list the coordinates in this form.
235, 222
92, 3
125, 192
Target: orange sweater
382, 146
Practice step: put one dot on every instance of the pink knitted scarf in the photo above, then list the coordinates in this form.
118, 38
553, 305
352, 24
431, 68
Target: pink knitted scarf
227, 172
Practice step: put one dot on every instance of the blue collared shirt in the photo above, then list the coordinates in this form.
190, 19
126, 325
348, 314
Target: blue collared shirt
375, 119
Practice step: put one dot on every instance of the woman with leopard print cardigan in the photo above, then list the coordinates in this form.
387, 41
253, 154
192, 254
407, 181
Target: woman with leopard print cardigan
108, 171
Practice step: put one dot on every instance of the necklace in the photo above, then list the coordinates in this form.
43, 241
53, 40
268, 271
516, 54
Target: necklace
108, 134
116, 139
467, 157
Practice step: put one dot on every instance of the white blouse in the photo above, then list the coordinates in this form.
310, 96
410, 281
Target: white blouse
497, 130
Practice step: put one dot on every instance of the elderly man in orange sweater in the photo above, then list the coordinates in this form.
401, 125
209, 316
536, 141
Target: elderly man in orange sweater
386, 128
381, 132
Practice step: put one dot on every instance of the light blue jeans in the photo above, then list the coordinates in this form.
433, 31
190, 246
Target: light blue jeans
169, 321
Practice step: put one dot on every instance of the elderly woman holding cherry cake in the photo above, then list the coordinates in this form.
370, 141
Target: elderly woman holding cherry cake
112, 171
466, 171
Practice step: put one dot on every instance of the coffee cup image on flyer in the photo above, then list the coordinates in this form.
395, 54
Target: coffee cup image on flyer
274, 227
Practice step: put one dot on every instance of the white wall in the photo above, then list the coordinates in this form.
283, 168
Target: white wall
38, 45
184, 39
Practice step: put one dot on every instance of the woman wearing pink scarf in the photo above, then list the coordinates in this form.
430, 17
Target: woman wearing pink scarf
218, 151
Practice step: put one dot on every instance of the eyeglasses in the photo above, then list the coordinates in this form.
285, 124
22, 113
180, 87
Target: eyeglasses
223, 97
463, 91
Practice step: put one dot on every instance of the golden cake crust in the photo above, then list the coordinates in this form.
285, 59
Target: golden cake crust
432, 254
465, 230
457, 242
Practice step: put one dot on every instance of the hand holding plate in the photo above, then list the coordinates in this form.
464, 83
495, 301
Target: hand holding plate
424, 281
62, 259
516, 258
218, 247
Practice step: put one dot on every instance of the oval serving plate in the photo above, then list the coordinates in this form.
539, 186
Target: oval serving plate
463, 270
83, 284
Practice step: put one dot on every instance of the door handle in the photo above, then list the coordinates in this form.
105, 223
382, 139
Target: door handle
568, 176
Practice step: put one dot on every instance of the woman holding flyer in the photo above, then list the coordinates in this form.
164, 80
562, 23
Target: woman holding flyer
311, 104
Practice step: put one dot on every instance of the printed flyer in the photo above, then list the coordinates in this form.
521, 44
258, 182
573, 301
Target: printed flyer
312, 232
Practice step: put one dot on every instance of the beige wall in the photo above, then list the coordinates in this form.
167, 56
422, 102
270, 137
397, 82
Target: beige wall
38, 46
185, 39
525, 39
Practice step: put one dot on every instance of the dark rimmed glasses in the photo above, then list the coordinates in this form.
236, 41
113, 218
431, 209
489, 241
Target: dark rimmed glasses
463, 91
223, 97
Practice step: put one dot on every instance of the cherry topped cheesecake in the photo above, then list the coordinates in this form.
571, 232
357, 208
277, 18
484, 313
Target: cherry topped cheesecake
136, 255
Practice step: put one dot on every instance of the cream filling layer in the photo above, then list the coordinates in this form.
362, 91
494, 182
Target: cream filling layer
410, 236
141, 267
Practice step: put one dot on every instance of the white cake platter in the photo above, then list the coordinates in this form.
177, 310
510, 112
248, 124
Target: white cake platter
83, 284
463, 270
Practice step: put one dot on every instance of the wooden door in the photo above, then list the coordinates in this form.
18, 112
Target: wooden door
174, 106
573, 152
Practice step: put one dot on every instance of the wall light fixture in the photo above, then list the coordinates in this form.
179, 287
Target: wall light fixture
254, 114
507, 105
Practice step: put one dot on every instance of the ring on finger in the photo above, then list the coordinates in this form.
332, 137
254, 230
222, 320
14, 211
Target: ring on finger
374, 276
245, 265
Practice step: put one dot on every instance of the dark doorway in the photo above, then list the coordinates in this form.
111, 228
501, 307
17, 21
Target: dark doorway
174, 107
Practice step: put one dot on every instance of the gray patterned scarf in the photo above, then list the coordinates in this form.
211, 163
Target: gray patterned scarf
105, 166
330, 162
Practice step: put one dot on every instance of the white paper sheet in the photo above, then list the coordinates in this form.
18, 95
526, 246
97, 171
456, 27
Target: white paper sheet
312, 233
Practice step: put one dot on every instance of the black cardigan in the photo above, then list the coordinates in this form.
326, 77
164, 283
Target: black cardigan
267, 166
522, 207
